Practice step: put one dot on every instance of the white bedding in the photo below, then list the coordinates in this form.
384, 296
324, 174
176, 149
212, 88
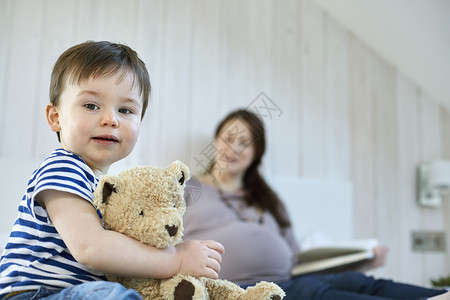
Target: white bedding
320, 209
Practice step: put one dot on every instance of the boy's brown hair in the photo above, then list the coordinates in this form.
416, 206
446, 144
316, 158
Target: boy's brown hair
97, 59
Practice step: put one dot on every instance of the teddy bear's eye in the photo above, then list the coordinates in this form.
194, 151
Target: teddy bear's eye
141, 213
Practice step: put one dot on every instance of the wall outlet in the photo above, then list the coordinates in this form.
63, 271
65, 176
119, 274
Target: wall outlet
432, 241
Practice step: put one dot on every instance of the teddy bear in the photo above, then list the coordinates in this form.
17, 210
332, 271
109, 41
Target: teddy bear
147, 203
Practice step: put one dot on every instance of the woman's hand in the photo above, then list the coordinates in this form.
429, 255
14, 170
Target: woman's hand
379, 259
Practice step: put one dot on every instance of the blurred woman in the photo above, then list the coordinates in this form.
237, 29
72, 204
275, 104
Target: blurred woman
238, 209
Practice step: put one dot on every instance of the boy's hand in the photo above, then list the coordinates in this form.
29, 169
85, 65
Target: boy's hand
200, 258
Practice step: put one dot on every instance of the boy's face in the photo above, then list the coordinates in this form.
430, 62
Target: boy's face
99, 119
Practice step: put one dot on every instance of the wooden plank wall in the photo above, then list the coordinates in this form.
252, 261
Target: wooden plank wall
340, 110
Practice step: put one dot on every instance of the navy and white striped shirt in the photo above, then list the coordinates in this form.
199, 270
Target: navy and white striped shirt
35, 254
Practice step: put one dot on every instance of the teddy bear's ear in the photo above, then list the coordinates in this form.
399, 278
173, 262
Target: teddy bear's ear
107, 185
108, 189
179, 167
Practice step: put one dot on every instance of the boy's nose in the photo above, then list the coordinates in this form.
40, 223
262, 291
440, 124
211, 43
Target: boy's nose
109, 119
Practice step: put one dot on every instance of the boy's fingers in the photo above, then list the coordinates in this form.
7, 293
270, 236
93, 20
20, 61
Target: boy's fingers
214, 265
210, 273
215, 256
215, 246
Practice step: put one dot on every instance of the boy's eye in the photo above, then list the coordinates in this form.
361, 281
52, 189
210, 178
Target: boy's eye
91, 106
125, 111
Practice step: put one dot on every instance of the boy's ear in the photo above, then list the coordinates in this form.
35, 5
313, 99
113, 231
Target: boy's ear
51, 112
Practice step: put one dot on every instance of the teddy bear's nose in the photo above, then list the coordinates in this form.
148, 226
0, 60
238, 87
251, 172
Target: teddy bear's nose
172, 229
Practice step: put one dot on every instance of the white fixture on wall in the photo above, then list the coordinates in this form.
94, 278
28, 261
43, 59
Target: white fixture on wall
433, 182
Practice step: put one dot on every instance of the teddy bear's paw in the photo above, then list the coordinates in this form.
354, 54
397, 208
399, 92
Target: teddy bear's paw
184, 290
182, 287
263, 291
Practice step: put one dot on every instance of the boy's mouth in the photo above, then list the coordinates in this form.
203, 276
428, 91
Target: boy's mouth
106, 139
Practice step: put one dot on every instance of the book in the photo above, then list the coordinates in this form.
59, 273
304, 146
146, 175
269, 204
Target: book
334, 258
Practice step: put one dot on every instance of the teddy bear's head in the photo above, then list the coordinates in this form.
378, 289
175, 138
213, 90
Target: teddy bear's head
145, 203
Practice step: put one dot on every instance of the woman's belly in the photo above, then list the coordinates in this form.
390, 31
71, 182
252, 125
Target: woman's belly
252, 252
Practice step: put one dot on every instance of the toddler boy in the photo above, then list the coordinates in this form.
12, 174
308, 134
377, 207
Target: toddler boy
58, 248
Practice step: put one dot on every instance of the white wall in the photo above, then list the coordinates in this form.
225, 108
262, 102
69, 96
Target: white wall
14, 175
412, 34
342, 112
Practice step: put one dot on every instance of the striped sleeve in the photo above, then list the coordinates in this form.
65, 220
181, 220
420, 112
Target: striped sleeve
63, 171
35, 254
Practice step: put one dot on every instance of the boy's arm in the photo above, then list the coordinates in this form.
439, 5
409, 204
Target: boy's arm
110, 252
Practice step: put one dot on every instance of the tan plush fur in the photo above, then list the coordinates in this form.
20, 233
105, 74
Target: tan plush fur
147, 204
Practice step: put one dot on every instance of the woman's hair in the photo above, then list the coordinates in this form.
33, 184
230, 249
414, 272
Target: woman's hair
257, 191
